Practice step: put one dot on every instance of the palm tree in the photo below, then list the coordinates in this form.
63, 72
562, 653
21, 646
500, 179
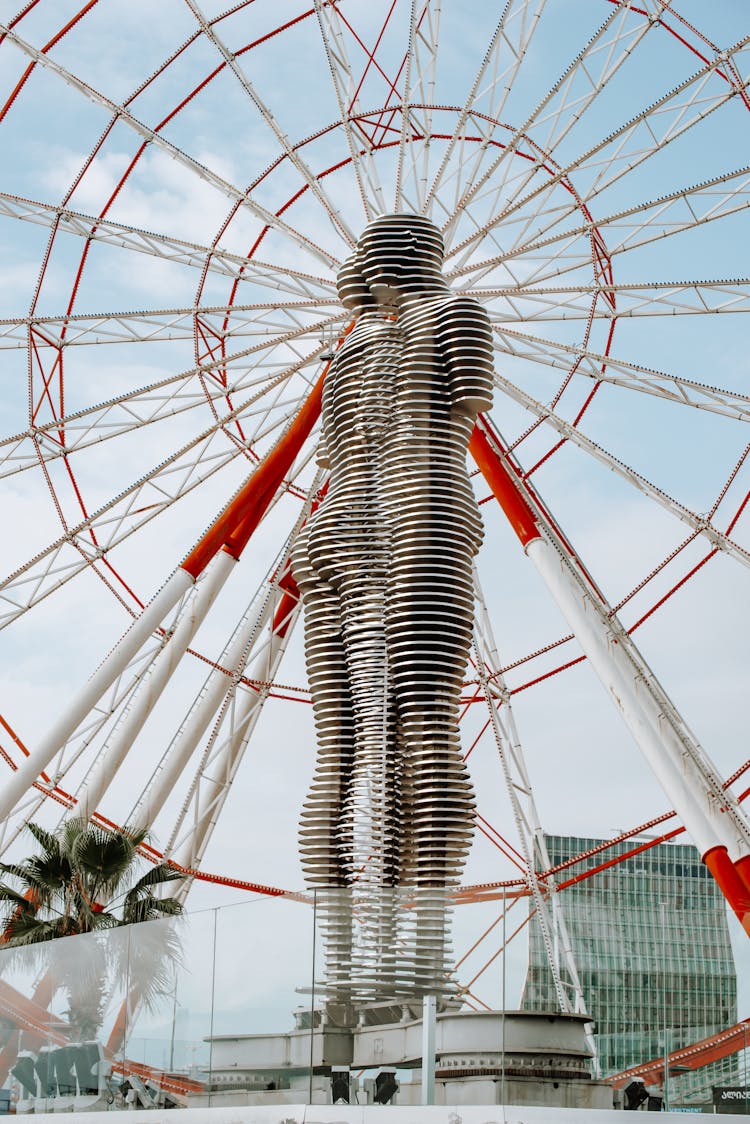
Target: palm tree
85, 880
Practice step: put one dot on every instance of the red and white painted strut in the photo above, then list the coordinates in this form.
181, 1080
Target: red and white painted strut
220, 705
712, 816
222, 757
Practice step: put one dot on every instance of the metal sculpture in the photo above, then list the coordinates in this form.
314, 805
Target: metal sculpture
384, 570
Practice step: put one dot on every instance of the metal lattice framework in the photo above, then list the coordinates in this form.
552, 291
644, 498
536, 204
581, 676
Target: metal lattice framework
192, 214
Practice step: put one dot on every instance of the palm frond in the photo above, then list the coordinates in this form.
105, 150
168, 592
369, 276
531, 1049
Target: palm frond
157, 876
104, 859
76, 885
137, 834
27, 929
19, 901
168, 907
46, 840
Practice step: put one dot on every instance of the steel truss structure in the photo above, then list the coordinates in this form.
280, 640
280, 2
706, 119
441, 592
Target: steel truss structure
576, 177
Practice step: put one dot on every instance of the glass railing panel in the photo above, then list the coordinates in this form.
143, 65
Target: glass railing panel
62, 1005
262, 988
111, 1020
169, 1009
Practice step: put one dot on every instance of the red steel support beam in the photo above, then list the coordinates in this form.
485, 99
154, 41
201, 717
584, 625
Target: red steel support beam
239, 519
497, 475
234, 527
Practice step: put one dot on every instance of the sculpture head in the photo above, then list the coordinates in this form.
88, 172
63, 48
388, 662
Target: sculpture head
401, 254
351, 285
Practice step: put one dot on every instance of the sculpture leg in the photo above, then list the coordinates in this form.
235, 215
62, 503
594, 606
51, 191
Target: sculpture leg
428, 626
373, 805
325, 844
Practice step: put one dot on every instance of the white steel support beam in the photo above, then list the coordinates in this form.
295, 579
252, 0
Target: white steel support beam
216, 688
213, 780
27, 773
520, 792
681, 768
235, 710
712, 816
152, 685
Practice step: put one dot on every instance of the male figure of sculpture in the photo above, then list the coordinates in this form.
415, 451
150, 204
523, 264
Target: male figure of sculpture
384, 569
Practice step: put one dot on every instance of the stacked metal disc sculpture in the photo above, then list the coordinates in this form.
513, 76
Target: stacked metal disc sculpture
384, 569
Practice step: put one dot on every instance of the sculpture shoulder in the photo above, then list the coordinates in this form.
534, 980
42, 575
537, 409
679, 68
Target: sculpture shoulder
462, 311
463, 316
465, 337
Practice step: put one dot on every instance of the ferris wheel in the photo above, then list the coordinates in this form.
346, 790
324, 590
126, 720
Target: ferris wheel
186, 185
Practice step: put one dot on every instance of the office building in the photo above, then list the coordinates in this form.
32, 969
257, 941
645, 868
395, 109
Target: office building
651, 943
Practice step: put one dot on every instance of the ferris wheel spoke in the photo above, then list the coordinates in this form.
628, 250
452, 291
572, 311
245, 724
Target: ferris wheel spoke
94, 537
568, 432
346, 88
313, 183
418, 99
528, 303
564, 104
70, 433
275, 276
157, 325
665, 121
634, 142
620, 372
591, 71
400, 201
681, 211
675, 213
492, 83
678, 212
152, 136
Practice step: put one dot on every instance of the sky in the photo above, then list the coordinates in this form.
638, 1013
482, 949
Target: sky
612, 139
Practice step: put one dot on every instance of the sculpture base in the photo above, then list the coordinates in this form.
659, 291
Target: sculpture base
490, 1057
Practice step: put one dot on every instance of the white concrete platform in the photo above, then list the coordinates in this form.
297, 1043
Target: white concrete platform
380, 1114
